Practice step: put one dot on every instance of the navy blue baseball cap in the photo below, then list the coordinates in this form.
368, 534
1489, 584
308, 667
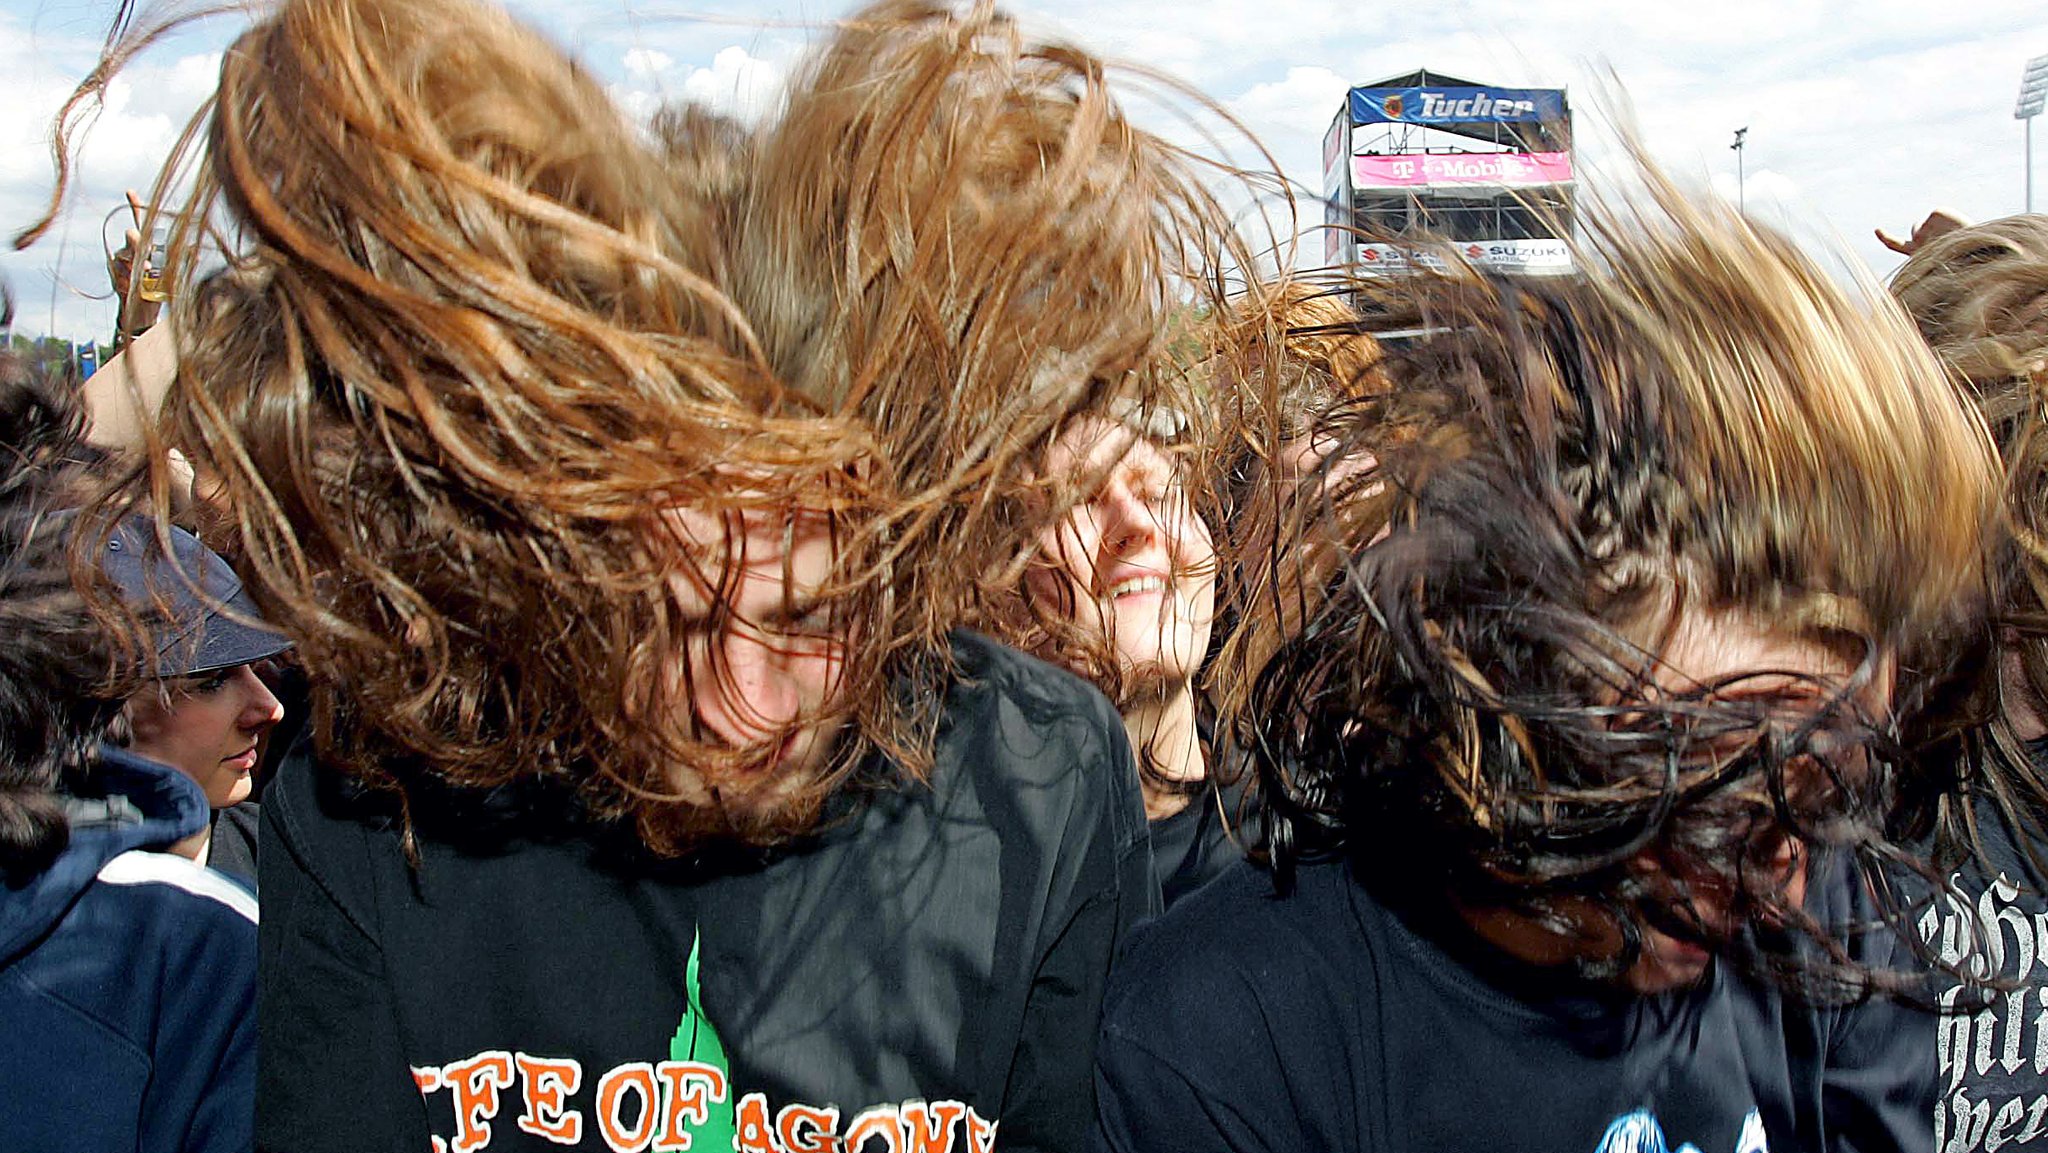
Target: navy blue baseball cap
202, 618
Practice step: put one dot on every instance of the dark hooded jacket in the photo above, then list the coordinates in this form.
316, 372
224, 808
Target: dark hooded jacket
127, 981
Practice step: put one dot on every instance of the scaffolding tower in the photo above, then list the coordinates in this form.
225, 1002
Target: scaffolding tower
1419, 161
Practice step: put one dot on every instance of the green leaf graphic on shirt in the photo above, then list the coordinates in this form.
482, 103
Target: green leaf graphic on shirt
697, 1040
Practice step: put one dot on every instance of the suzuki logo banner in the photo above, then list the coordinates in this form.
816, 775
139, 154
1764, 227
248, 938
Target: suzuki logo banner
1456, 105
1508, 169
1535, 257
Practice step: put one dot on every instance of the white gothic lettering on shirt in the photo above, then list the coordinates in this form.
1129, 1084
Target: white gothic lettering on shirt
1993, 1058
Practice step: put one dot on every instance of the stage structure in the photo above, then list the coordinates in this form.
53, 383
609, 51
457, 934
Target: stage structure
1428, 155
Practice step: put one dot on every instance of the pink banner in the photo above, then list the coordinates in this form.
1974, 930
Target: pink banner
1511, 169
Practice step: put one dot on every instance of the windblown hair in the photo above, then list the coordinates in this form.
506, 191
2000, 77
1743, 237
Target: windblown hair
954, 233
53, 656
477, 336
1980, 297
1295, 366
1313, 341
1271, 366
1700, 422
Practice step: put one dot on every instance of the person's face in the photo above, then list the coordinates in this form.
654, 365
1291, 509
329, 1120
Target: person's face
760, 676
208, 726
1791, 677
1137, 565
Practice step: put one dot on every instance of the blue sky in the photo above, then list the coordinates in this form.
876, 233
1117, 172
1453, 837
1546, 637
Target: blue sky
1860, 115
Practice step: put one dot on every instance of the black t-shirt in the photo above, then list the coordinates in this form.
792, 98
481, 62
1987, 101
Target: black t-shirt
1994, 1054
1201, 841
231, 848
1243, 1021
926, 971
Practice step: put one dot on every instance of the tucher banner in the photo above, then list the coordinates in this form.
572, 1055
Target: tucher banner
1456, 105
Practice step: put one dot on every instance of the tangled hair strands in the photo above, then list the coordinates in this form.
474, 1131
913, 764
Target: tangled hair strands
1980, 296
54, 655
461, 357
474, 338
1699, 423
1295, 363
1001, 227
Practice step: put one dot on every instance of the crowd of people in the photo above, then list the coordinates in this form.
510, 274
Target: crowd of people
892, 629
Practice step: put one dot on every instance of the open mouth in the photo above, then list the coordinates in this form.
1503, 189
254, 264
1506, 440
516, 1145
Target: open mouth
760, 761
1145, 585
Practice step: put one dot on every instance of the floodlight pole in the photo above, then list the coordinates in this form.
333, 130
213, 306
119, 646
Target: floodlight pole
2033, 93
1741, 182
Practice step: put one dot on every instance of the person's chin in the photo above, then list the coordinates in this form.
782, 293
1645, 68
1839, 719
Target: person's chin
237, 791
1138, 661
1176, 642
1668, 964
784, 806
765, 784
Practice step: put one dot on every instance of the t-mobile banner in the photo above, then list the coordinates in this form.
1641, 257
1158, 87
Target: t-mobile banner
1508, 169
1456, 105
1536, 257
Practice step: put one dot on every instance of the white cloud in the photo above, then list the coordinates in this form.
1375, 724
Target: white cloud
1872, 112
192, 79
1761, 191
639, 104
1276, 109
737, 82
642, 62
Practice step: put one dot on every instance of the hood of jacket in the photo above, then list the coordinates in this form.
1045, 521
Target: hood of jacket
137, 804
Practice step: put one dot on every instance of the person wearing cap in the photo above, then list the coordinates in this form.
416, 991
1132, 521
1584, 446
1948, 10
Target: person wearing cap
203, 710
127, 974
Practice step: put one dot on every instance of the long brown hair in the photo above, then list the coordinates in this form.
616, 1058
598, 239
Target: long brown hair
1980, 297
1293, 364
1699, 420
476, 336
1002, 252
50, 714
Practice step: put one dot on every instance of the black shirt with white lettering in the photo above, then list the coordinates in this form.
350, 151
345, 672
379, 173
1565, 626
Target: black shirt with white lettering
1993, 1047
930, 969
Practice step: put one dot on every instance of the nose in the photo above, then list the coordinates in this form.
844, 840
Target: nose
260, 707
1129, 524
752, 691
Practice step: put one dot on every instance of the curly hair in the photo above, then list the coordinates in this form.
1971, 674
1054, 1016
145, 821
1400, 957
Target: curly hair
995, 224
1296, 365
1700, 421
1980, 297
1324, 355
478, 337
55, 654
